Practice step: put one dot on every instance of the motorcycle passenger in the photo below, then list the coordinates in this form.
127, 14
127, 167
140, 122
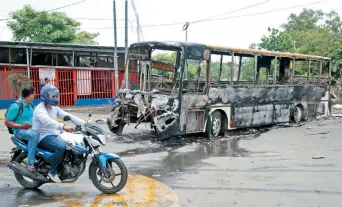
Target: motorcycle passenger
18, 119
45, 123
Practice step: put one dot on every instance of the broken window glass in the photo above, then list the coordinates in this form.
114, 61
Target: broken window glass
18, 56
163, 69
4, 56
41, 57
196, 75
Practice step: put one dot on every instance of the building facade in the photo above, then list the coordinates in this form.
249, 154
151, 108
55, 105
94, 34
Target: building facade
84, 74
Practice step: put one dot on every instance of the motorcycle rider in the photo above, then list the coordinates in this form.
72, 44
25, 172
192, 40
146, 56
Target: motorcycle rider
19, 119
45, 123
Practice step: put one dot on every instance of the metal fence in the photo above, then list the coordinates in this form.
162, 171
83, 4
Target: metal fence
73, 83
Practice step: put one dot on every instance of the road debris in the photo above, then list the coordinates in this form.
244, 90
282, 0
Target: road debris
337, 106
317, 133
318, 157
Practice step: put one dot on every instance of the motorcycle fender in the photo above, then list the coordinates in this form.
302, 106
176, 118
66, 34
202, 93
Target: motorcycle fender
15, 151
103, 157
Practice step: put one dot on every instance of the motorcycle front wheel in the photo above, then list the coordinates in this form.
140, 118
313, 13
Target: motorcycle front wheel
106, 184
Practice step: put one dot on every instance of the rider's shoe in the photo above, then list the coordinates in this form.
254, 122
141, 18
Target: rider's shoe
32, 168
54, 178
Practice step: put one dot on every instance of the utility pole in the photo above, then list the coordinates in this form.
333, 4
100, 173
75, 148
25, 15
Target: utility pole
137, 18
185, 28
139, 73
126, 29
116, 68
126, 44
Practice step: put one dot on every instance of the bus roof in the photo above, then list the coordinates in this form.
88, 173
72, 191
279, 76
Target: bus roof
266, 53
231, 50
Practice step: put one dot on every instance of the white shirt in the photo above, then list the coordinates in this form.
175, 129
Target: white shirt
45, 121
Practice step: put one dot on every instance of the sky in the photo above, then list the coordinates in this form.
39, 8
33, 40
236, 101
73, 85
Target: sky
235, 31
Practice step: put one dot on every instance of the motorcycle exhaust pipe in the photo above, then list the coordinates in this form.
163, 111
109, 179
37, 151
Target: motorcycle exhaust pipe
18, 168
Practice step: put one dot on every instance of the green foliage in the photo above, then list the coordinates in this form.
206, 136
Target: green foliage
310, 32
165, 58
247, 68
30, 25
86, 38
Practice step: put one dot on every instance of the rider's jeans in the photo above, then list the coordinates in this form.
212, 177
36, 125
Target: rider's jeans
32, 137
52, 144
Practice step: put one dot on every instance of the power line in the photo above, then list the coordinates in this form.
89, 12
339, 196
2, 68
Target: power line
266, 12
5, 19
68, 5
230, 17
240, 9
181, 23
58, 8
95, 19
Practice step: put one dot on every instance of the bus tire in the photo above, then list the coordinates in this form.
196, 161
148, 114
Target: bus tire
118, 129
214, 125
297, 114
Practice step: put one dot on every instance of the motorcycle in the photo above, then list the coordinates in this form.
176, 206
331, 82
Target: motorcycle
86, 140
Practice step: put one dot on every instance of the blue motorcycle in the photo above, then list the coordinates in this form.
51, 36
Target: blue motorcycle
84, 141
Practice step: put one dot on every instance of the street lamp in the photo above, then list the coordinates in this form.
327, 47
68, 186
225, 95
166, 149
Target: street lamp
185, 28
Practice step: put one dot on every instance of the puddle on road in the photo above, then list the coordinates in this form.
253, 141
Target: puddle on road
177, 159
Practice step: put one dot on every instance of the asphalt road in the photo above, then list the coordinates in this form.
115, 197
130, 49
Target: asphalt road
294, 166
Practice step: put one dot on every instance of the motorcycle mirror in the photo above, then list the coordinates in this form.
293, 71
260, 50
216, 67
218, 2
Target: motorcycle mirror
78, 128
67, 118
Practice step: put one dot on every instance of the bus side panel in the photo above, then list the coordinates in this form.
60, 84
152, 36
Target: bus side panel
282, 113
263, 105
322, 109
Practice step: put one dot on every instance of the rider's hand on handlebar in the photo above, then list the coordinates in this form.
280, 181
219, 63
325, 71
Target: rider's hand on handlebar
68, 129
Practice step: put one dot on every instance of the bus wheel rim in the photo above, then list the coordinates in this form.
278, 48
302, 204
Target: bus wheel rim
216, 126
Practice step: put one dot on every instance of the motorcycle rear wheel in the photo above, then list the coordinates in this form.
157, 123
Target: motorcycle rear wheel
20, 178
95, 170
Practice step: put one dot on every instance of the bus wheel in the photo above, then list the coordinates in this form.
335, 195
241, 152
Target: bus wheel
214, 125
297, 114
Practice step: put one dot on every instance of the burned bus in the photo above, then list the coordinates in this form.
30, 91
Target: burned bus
186, 88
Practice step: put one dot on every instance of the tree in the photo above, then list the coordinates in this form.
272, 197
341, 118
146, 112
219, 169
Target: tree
18, 81
30, 25
310, 32
165, 58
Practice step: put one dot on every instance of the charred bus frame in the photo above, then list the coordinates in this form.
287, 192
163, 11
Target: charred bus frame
193, 102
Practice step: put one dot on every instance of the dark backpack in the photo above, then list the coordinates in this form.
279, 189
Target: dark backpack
21, 106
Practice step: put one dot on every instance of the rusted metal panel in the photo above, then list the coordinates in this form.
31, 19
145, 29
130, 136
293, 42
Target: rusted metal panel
309, 71
264, 105
194, 121
232, 74
59, 46
253, 52
188, 102
320, 70
255, 69
275, 70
